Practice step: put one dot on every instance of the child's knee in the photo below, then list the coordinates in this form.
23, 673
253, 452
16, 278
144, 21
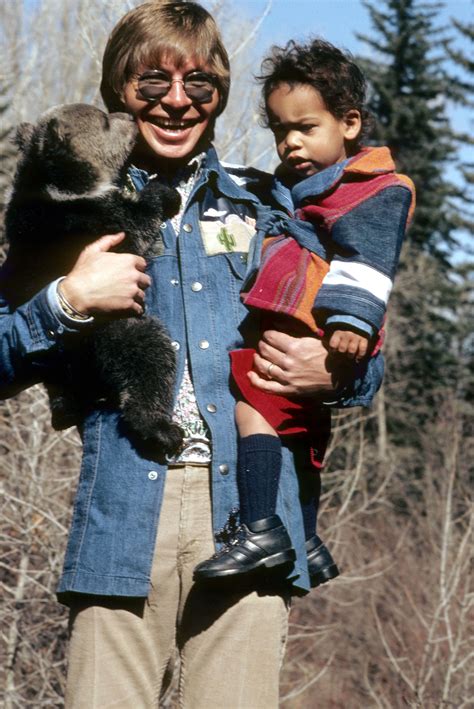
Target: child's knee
249, 421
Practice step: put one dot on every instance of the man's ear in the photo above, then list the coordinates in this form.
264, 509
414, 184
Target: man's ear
23, 135
352, 124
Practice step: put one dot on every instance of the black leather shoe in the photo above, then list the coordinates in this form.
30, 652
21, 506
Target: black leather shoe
321, 565
263, 544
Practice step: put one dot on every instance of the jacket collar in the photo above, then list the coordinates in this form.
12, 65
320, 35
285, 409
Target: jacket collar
214, 170
138, 177
371, 161
210, 170
368, 162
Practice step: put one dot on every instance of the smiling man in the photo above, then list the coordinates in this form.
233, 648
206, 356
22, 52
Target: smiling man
173, 107
140, 527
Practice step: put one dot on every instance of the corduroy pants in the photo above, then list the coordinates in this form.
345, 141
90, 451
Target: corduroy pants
227, 645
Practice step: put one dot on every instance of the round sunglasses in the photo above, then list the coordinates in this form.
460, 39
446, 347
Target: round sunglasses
154, 84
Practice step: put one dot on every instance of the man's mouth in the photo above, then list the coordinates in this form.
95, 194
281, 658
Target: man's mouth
172, 126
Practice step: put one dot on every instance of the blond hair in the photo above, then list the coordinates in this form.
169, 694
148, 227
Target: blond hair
154, 30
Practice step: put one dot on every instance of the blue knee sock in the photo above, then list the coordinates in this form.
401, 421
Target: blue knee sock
258, 475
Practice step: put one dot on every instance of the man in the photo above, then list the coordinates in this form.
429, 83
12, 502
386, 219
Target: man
139, 528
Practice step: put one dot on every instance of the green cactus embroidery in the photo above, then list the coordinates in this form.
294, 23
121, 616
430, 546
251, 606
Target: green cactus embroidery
226, 239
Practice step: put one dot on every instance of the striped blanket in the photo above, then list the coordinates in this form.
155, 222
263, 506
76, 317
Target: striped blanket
290, 276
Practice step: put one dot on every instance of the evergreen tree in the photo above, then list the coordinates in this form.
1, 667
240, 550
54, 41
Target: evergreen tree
464, 61
463, 83
410, 88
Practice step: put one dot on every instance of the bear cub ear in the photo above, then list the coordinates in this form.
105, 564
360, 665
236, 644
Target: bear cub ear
23, 136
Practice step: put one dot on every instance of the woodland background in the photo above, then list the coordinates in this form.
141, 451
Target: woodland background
394, 630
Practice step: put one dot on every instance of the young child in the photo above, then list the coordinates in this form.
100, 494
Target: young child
329, 274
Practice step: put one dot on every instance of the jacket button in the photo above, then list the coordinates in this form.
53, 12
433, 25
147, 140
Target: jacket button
204, 344
196, 286
163, 225
174, 282
187, 228
224, 469
152, 475
175, 345
212, 408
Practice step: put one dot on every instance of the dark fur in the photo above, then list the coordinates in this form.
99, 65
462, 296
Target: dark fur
129, 363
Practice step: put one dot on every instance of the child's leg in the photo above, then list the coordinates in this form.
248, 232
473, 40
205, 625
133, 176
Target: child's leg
250, 422
309, 481
262, 542
321, 565
310, 493
259, 464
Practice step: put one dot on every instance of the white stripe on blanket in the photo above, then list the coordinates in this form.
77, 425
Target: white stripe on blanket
344, 273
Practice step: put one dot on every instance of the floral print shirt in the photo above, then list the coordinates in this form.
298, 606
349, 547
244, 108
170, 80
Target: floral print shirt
197, 444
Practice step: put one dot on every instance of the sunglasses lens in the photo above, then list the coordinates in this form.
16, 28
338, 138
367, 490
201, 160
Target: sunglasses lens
200, 87
200, 94
151, 92
152, 86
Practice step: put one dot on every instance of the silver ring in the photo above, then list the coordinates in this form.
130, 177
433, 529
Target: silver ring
269, 369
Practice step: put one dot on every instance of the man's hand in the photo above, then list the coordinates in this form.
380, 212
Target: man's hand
106, 283
349, 343
293, 366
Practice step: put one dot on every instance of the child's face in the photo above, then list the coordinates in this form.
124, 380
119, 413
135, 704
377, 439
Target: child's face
308, 137
172, 126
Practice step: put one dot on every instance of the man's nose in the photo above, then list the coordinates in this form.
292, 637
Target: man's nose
176, 96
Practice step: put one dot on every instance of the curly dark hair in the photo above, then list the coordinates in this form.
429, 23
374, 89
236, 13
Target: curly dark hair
327, 69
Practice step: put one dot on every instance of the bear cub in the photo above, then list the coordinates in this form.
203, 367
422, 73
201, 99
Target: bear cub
68, 190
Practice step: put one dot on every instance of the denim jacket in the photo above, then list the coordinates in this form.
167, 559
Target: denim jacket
195, 292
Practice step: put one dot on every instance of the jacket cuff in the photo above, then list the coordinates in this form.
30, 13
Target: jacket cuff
355, 302
351, 321
44, 325
52, 298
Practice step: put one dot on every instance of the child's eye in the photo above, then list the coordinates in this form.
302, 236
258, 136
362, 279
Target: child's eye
307, 128
278, 131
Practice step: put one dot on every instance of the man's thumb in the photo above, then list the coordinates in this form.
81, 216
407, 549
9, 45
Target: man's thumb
106, 242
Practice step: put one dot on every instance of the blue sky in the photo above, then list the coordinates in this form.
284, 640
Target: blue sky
336, 20
339, 21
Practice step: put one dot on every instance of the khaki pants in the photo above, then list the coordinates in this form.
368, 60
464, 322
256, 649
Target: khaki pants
230, 644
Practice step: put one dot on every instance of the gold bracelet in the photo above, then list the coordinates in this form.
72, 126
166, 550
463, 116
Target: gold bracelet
69, 309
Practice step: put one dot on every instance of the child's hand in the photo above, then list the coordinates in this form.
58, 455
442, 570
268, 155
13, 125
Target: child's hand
352, 344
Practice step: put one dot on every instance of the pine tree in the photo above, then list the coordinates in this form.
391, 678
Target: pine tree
463, 80
410, 87
464, 61
463, 86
